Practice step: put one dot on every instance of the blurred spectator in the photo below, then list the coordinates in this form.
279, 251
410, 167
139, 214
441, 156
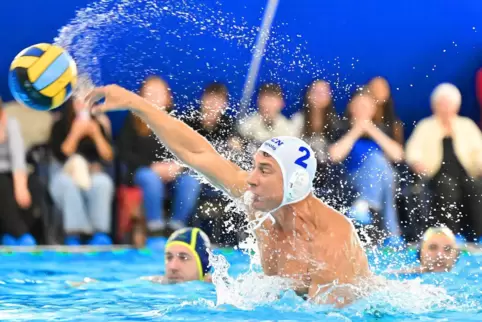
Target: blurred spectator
367, 151
447, 149
268, 122
16, 210
319, 125
218, 127
79, 185
478, 90
385, 115
152, 167
213, 122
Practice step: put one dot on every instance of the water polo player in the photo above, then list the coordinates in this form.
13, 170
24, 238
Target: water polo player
438, 252
187, 257
305, 240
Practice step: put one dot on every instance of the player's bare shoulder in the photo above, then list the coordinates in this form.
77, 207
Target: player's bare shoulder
330, 218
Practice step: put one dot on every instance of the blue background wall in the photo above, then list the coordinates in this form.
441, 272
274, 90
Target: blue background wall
415, 44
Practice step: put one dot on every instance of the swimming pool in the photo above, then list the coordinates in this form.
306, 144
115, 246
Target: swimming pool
34, 287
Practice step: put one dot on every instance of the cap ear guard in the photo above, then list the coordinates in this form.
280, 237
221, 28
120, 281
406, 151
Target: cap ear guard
299, 186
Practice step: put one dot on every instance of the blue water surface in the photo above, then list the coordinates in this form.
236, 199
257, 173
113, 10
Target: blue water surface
37, 287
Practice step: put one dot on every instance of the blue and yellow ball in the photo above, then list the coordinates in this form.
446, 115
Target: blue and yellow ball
42, 76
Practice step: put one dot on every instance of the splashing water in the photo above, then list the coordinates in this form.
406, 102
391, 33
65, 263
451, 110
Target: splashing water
125, 41
153, 48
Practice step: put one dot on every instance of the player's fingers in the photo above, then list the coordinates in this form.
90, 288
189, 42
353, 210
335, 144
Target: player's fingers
94, 96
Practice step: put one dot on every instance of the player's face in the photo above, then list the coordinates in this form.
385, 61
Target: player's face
439, 253
266, 183
180, 264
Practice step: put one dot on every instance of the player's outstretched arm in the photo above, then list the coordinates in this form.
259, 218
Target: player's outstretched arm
186, 144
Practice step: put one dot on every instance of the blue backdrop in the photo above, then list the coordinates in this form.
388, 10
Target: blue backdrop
415, 44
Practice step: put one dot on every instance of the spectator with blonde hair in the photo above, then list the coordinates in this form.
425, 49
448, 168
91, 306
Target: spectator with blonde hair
446, 149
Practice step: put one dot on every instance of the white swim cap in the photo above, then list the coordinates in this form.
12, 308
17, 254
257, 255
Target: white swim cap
298, 166
429, 233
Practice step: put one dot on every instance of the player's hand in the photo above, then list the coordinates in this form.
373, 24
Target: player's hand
115, 98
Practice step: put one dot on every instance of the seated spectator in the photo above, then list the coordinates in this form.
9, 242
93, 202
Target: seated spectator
385, 115
17, 209
268, 122
152, 167
319, 125
214, 123
367, 152
446, 149
478, 90
79, 185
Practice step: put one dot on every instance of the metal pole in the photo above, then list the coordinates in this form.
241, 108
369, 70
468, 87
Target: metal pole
259, 48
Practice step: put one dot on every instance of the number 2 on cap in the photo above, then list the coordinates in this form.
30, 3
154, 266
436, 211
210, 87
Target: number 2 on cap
301, 160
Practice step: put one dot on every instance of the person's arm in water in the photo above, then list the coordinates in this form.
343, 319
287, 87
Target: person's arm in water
186, 144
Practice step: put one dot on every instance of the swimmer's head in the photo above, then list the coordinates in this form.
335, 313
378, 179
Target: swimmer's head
438, 250
187, 257
284, 172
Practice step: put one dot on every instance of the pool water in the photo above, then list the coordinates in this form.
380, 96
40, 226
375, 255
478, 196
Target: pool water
35, 287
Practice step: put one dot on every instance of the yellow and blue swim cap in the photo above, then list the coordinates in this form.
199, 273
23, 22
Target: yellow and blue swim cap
197, 242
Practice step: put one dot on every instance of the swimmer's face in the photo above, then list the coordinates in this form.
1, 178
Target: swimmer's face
180, 264
439, 253
266, 183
